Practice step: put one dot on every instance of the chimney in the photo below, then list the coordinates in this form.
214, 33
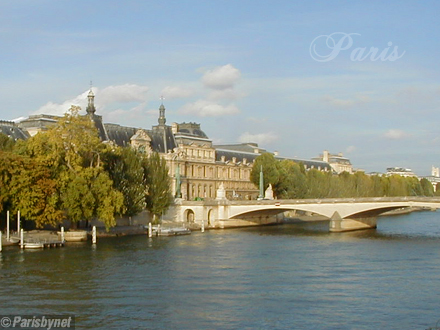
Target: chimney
325, 156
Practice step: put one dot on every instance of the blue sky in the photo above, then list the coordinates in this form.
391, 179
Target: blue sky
245, 70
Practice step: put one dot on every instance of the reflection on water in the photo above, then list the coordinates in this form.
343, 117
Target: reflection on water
295, 276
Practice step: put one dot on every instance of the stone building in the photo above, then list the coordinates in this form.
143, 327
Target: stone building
197, 167
338, 162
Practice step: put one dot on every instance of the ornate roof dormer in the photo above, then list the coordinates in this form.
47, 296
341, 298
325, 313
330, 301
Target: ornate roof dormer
91, 105
162, 120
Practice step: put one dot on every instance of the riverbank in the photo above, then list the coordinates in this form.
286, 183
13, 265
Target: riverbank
48, 235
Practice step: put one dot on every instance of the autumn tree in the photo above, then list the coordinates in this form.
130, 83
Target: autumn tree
73, 152
26, 186
6, 143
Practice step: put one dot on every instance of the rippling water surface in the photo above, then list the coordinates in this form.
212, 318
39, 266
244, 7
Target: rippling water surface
295, 276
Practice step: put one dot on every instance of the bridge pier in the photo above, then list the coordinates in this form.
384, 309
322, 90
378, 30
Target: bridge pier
338, 225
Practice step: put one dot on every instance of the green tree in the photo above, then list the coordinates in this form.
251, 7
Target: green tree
292, 181
426, 187
158, 197
271, 172
413, 187
6, 143
318, 183
73, 152
29, 189
124, 166
437, 189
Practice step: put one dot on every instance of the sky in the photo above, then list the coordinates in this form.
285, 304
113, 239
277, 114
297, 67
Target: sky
297, 77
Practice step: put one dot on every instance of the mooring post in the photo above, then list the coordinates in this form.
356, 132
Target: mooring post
21, 239
7, 226
94, 235
150, 230
203, 226
0, 240
62, 234
158, 229
18, 222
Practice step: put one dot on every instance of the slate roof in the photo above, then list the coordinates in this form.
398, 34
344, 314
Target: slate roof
160, 136
247, 150
97, 120
10, 129
120, 135
162, 139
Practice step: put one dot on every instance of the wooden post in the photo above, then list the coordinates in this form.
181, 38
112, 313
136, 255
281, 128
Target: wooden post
18, 222
203, 226
150, 230
62, 234
94, 235
7, 226
21, 239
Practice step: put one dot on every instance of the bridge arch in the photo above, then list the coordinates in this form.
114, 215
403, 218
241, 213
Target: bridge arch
270, 211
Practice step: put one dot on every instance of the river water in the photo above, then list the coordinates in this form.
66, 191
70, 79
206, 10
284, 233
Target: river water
293, 276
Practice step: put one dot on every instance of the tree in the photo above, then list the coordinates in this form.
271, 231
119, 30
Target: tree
437, 189
292, 182
270, 168
158, 197
6, 143
73, 152
427, 188
29, 189
124, 166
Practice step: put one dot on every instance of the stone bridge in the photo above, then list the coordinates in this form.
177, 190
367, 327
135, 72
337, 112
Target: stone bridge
344, 214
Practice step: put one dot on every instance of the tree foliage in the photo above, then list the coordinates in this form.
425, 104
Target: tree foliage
290, 180
125, 167
270, 167
158, 196
6, 143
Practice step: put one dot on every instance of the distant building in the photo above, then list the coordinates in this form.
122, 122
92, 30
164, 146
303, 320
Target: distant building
405, 172
338, 162
434, 178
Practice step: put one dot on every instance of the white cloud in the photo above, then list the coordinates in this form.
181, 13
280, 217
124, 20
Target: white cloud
121, 94
121, 115
261, 138
51, 108
222, 77
225, 94
176, 92
203, 108
106, 97
396, 134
